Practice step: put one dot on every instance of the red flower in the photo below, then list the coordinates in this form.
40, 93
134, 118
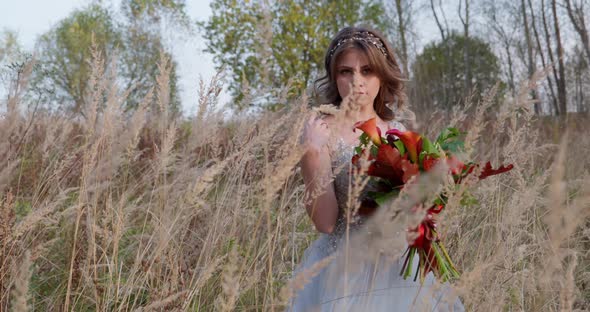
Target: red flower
390, 165
429, 162
455, 165
488, 171
370, 128
421, 239
409, 169
412, 141
386, 165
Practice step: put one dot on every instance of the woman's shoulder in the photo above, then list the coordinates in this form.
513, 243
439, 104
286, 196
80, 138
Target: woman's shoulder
395, 124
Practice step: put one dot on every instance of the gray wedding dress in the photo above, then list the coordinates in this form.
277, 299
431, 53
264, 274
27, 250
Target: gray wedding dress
351, 282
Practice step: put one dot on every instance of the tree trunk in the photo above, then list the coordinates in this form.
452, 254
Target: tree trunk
466, 48
578, 93
402, 33
510, 70
440, 27
561, 88
443, 34
531, 64
551, 58
576, 15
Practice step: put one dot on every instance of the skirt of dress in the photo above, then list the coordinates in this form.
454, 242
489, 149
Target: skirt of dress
370, 284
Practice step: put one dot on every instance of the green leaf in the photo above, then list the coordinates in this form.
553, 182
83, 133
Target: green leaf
428, 149
451, 140
364, 138
382, 198
446, 134
374, 150
408, 271
439, 201
358, 150
400, 147
468, 200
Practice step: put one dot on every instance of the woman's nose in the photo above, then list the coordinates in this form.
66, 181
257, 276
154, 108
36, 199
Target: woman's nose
358, 79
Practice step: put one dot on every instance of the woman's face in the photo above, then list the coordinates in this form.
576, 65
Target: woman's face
354, 74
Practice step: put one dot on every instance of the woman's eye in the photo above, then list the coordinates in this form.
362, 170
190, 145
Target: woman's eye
367, 71
345, 71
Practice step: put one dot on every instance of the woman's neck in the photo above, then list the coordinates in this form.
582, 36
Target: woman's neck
363, 114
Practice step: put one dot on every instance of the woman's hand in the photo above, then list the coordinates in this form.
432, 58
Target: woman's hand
316, 132
320, 203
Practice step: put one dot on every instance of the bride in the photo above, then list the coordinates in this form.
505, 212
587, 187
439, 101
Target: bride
350, 271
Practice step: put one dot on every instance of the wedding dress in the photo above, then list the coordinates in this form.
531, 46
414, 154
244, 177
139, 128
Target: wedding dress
353, 282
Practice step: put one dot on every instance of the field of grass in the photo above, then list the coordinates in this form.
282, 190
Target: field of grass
142, 211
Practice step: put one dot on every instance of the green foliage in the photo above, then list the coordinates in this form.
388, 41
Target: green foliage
135, 42
9, 45
143, 46
428, 149
140, 58
439, 71
400, 147
153, 11
12, 58
265, 47
383, 198
451, 139
65, 54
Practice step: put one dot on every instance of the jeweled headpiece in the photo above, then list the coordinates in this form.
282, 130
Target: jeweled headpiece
361, 36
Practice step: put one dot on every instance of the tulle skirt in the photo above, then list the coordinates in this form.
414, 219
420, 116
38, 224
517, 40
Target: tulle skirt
369, 283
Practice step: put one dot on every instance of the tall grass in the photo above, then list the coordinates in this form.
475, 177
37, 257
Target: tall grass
146, 211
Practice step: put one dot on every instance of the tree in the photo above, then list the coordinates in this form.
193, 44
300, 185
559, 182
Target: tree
11, 54
542, 54
136, 42
142, 39
575, 11
559, 101
561, 79
65, 54
9, 45
579, 75
403, 17
501, 22
466, 22
439, 71
444, 30
286, 48
531, 65
155, 11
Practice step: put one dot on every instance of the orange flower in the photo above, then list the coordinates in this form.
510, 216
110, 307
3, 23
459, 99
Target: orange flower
370, 128
412, 141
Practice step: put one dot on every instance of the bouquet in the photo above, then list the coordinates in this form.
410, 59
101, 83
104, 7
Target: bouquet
402, 155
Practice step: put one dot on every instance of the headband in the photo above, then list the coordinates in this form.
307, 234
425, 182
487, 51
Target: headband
367, 37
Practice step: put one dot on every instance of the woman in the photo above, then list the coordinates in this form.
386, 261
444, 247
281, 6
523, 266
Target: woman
362, 80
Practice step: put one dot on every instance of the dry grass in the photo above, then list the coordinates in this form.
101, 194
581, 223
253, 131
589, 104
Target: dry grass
121, 212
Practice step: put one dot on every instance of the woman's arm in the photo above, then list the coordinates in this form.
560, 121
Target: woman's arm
320, 198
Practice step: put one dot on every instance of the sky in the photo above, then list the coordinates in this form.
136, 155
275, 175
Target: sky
31, 18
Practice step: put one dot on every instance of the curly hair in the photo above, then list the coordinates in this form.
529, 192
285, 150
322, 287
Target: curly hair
381, 59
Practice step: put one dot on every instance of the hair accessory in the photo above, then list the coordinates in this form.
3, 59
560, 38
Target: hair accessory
366, 37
